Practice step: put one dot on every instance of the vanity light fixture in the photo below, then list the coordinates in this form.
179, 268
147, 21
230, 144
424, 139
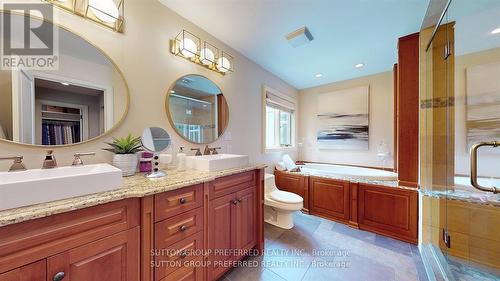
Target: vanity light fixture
224, 63
319, 75
191, 47
495, 31
359, 65
105, 10
108, 13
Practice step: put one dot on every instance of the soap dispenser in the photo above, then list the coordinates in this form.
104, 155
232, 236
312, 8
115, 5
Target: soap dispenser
181, 160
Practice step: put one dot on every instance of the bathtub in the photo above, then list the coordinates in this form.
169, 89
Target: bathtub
348, 171
464, 189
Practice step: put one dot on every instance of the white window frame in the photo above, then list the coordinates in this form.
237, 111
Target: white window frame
293, 122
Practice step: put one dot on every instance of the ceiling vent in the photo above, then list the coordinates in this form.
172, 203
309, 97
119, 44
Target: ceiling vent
299, 37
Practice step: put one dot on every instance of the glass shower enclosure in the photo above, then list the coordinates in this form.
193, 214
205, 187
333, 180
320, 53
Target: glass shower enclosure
460, 142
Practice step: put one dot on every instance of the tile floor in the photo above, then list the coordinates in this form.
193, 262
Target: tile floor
318, 249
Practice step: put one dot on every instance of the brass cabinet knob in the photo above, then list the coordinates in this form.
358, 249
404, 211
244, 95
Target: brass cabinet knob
182, 200
183, 227
235, 202
59, 276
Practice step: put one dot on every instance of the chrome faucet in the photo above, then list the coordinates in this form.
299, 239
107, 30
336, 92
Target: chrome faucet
50, 160
17, 165
198, 151
78, 161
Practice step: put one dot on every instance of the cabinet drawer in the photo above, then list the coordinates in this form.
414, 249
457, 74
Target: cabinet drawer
31, 272
192, 271
175, 202
169, 259
230, 184
178, 228
30, 241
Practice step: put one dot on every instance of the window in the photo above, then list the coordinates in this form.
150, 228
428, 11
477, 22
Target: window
192, 131
279, 120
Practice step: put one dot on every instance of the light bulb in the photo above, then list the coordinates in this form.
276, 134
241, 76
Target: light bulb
207, 57
188, 48
105, 10
223, 64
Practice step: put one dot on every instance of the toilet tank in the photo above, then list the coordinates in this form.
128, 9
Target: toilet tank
270, 183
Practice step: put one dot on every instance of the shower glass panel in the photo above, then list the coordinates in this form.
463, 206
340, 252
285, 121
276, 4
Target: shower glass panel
460, 107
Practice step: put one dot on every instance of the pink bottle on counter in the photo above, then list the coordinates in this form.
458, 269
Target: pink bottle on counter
145, 163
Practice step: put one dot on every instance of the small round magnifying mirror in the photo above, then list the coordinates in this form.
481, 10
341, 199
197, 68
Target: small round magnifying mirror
156, 140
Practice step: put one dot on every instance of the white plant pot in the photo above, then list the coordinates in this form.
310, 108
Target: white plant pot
126, 162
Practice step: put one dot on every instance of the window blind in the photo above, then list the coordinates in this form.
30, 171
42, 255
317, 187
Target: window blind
280, 102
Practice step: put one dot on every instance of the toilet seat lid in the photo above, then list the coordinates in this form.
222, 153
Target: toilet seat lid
285, 197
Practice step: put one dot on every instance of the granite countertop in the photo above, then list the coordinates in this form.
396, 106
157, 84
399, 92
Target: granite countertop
489, 199
134, 186
388, 183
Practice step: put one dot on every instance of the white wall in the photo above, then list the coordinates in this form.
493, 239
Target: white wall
142, 53
381, 122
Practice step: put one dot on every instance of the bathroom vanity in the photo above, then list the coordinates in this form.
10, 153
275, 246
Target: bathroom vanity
176, 228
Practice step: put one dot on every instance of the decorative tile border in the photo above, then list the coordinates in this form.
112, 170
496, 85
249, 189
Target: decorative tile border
437, 102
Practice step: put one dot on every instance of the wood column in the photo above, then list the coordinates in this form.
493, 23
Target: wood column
147, 238
408, 110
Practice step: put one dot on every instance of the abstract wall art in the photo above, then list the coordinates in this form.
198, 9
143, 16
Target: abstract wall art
483, 103
343, 119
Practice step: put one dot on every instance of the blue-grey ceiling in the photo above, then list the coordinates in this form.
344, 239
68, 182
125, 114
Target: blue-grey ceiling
346, 32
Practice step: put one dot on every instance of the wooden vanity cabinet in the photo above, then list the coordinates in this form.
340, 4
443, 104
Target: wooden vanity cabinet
221, 219
233, 220
112, 258
114, 241
32, 272
95, 243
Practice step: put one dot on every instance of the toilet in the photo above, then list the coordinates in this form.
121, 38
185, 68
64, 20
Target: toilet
280, 205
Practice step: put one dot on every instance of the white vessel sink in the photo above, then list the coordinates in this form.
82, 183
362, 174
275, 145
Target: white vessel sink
18, 189
218, 162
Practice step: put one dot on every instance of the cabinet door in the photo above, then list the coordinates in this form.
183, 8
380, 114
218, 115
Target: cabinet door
31, 272
115, 258
222, 233
294, 183
389, 211
245, 219
330, 198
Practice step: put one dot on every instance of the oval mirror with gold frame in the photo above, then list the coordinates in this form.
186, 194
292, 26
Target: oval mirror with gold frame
82, 97
197, 109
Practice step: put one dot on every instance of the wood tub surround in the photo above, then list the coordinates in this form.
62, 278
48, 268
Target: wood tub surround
294, 183
386, 210
122, 240
330, 198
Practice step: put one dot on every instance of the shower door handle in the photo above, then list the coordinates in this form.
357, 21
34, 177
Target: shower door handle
473, 166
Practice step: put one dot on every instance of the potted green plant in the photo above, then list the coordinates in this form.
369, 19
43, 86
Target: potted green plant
125, 157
